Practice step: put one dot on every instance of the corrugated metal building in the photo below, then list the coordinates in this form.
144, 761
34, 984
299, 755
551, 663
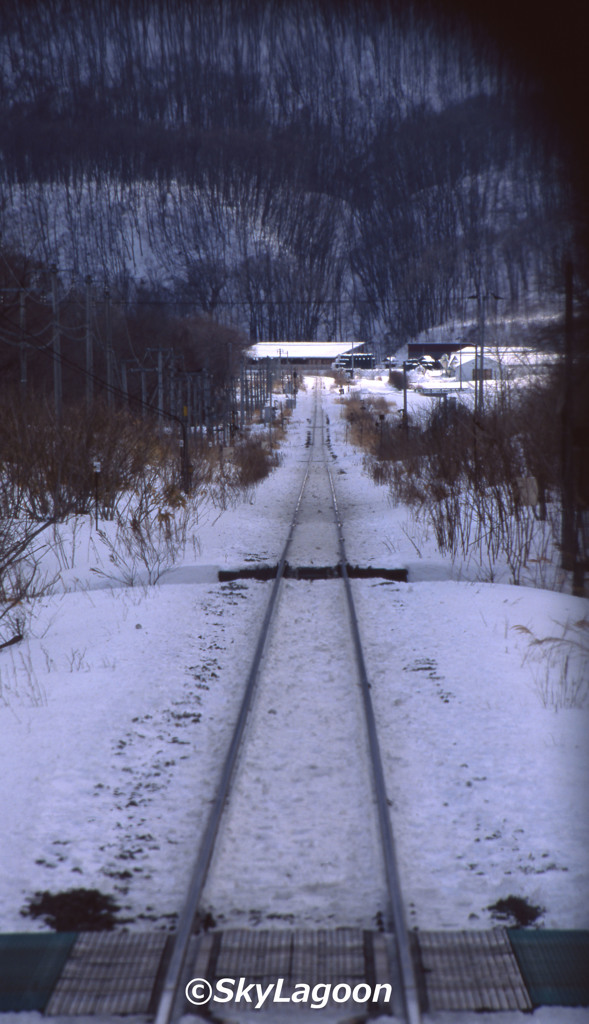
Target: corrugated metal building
306, 354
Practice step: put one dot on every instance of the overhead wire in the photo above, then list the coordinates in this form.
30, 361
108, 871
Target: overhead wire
110, 388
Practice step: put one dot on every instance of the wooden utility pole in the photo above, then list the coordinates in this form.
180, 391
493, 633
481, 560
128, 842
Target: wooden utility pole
199, 403
160, 383
124, 385
207, 403
173, 391
23, 345
568, 534
481, 371
186, 399
143, 392
89, 350
109, 354
56, 349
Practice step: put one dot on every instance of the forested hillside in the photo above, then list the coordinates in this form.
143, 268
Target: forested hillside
297, 170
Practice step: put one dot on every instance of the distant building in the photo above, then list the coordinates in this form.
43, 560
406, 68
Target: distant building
499, 363
435, 349
522, 361
309, 355
465, 365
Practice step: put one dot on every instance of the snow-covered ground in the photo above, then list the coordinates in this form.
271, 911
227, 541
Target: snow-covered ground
117, 707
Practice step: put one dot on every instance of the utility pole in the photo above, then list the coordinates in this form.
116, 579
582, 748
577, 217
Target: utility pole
109, 374
198, 416
480, 316
23, 345
89, 351
184, 458
207, 404
160, 383
228, 417
172, 387
481, 373
405, 416
124, 387
479, 361
57, 374
270, 409
187, 407
568, 534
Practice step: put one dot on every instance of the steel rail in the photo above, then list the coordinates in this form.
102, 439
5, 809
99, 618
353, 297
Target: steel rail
173, 976
396, 910
396, 917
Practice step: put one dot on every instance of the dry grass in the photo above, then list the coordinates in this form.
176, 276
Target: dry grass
47, 476
50, 463
367, 420
560, 663
254, 458
397, 379
471, 480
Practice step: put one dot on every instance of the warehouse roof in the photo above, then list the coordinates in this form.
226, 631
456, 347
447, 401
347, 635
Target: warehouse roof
301, 349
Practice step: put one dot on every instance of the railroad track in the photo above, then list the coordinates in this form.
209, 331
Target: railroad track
251, 761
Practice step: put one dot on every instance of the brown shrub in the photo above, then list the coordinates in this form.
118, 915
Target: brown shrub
52, 461
253, 459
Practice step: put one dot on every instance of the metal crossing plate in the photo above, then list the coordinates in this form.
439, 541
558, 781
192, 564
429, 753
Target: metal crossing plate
29, 968
111, 973
340, 957
108, 973
471, 971
305, 956
555, 965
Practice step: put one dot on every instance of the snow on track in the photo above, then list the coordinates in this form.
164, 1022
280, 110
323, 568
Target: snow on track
299, 841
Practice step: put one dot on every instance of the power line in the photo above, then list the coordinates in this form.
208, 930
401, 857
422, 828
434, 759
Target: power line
226, 303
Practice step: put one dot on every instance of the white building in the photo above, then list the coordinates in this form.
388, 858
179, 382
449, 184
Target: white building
499, 362
462, 365
307, 354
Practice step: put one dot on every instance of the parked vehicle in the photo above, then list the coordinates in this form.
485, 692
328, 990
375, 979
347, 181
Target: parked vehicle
355, 360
